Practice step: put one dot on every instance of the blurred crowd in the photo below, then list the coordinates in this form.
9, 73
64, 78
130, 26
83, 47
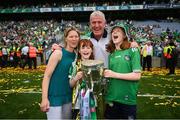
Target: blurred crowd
17, 35
14, 36
54, 3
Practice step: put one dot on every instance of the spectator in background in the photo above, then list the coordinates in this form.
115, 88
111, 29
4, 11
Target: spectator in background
32, 56
157, 50
164, 58
1, 57
147, 52
17, 56
40, 53
172, 57
4, 56
25, 56
11, 58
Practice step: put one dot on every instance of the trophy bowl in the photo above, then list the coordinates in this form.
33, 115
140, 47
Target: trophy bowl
93, 74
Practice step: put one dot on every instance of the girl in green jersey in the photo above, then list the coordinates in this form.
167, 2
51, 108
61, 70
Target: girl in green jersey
124, 71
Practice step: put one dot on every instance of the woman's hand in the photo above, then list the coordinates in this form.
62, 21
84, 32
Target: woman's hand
45, 105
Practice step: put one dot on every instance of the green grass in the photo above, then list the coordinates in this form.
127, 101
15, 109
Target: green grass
17, 103
14, 103
158, 108
158, 84
161, 107
20, 106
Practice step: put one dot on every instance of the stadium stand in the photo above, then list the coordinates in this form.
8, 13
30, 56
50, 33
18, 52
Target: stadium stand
42, 21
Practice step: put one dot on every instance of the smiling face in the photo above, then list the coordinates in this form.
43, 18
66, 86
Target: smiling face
72, 40
85, 50
97, 24
118, 36
119, 40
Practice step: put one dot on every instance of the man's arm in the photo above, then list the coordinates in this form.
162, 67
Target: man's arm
134, 44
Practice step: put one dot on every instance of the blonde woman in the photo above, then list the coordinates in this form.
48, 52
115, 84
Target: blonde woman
56, 90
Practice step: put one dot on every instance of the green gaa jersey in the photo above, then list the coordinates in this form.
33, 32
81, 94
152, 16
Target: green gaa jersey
119, 90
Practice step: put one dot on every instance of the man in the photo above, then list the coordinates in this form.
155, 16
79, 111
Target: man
147, 52
32, 55
4, 56
99, 36
171, 56
25, 56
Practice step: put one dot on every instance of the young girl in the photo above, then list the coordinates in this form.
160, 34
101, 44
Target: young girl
85, 49
56, 90
124, 72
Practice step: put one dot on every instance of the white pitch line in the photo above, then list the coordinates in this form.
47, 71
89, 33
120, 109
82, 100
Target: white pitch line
165, 96
139, 95
31, 92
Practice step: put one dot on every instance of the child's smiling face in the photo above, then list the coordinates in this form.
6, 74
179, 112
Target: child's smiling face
85, 52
